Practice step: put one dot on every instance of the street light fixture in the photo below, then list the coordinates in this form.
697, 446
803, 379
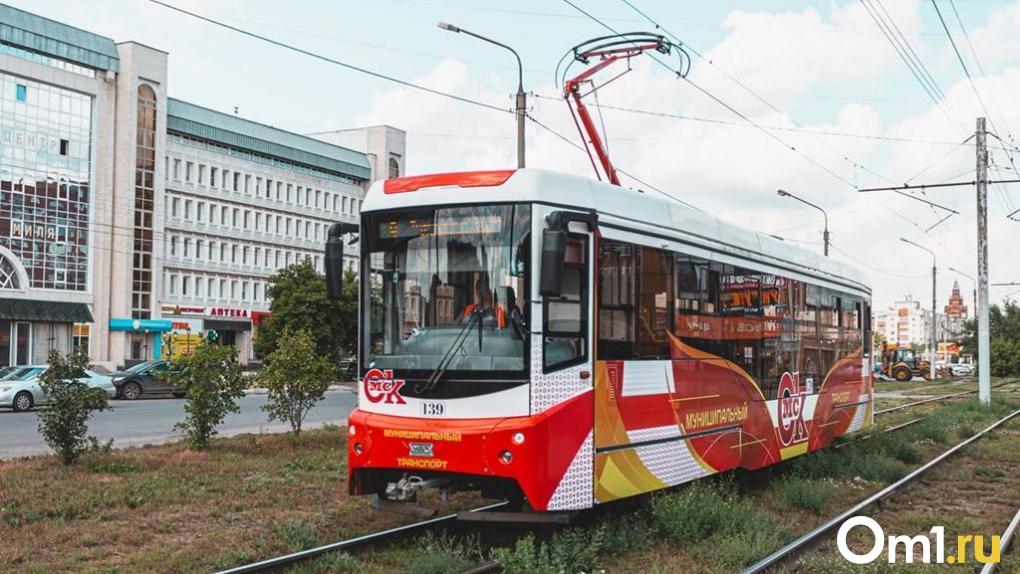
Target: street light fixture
934, 315
522, 99
825, 235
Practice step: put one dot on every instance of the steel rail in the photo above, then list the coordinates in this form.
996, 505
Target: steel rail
923, 401
796, 545
1007, 537
938, 398
288, 559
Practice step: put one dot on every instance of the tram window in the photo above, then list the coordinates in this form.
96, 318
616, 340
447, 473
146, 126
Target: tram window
617, 300
565, 328
654, 315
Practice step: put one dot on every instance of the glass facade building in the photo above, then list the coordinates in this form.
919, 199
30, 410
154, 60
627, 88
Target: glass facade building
45, 174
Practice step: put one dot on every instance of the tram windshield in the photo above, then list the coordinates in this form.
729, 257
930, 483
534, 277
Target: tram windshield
445, 291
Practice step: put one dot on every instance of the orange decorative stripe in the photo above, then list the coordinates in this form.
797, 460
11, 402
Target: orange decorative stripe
458, 179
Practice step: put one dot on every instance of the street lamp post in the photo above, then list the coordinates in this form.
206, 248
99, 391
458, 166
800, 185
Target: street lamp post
825, 234
521, 107
934, 315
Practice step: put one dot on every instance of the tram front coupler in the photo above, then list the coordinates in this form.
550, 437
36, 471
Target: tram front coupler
406, 489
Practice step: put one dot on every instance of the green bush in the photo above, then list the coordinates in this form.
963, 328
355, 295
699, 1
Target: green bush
714, 523
573, 550
63, 421
297, 533
296, 376
796, 492
212, 381
442, 554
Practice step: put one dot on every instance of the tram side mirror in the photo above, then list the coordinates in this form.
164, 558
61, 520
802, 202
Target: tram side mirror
554, 250
334, 258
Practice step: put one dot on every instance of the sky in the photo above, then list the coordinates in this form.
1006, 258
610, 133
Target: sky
794, 68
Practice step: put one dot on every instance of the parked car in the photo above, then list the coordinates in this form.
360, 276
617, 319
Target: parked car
145, 380
962, 369
20, 389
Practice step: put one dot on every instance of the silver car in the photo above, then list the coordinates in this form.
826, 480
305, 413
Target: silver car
20, 389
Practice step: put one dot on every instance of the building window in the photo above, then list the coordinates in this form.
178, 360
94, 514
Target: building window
187, 209
80, 335
223, 289
185, 285
187, 171
212, 177
394, 168
237, 181
199, 287
64, 146
173, 246
145, 169
200, 214
201, 174
177, 169
175, 204
22, 93
173, 284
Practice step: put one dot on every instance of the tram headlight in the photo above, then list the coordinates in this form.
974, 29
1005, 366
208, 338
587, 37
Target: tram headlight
506, 457
518, 438
352, 430
358, 449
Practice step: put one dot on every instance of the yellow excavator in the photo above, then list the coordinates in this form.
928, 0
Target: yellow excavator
901, 363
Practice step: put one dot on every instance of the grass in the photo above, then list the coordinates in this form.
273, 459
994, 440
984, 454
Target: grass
169, 509
717, 525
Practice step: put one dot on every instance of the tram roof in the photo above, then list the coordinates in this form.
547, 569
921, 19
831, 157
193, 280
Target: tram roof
623, 207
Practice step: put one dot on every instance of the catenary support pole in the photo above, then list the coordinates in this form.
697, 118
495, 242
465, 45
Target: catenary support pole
934, 320
983, 335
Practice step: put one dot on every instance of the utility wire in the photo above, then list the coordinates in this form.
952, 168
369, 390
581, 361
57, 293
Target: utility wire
760, 98
317, 56
722, 103
770, 127
903, 50
577, 146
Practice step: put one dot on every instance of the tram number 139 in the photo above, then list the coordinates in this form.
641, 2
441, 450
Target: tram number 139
432, 409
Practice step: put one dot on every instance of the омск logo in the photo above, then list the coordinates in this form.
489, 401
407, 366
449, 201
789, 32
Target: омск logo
792, 428
380, 387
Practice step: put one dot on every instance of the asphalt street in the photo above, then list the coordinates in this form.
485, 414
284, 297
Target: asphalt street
151, 421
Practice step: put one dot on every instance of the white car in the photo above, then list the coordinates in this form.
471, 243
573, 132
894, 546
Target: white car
962, 369
20, 389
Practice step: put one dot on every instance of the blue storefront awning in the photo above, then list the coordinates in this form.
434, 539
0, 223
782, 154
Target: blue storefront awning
141, 325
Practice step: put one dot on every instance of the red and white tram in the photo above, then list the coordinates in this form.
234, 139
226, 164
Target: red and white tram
569, 343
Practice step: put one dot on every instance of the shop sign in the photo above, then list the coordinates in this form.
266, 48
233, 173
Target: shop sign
182, 310
230, 312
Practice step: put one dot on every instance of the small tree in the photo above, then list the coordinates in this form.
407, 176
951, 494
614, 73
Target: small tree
69, 404
212, 382
297, 377
299, 302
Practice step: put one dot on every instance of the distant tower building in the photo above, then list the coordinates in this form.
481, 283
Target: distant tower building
955, 311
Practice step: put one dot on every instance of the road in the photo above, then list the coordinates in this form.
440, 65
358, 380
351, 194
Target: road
151, 421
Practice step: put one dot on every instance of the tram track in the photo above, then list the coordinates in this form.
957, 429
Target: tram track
807, 540
281, 562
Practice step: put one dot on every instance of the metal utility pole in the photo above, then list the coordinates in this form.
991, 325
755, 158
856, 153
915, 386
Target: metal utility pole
521, 108
983, 334
825, 233
934, 315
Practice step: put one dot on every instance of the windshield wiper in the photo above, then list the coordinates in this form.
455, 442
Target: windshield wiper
451, 352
